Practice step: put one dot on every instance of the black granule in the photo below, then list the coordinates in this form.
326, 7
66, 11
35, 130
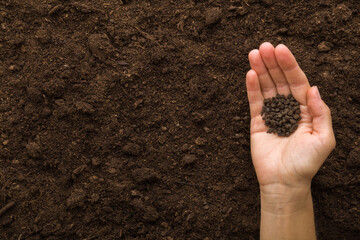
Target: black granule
281, 114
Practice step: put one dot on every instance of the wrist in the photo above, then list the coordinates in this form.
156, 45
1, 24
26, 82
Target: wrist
279, 199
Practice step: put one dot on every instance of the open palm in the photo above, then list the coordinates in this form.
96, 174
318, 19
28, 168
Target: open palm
291, 161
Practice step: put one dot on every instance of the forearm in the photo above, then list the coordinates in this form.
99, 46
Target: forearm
286, 214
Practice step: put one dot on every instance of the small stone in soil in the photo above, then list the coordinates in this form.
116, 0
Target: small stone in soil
43, 36
212, 16
189, 159
200, 141
100, 46
34, 150
94, 198
162, 139
46, 112
185, 147
132, 149
198, 117
95, 161
237, 118
76, 199
84, 107
78, 171
324, 47
54, 88
206, 129
145, 175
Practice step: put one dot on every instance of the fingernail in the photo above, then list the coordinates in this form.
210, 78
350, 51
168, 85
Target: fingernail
317, 92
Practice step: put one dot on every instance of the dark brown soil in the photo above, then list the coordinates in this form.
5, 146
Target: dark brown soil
281, 114
129, 119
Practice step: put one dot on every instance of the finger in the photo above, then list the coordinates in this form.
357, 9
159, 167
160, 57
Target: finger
296, 78
254, 93
267, 52
321, 116
266, 84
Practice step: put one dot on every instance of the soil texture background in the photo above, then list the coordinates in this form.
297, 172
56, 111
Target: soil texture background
124, 119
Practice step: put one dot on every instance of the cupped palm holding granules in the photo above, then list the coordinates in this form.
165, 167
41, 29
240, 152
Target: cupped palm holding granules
281, 114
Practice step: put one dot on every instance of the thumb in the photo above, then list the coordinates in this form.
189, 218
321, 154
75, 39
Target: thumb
321, 115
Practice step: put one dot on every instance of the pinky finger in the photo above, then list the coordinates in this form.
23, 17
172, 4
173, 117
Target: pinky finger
254, 93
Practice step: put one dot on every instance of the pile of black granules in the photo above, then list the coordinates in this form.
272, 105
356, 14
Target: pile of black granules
281, 114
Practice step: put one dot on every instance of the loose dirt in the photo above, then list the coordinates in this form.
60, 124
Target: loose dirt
281, 114
129, 119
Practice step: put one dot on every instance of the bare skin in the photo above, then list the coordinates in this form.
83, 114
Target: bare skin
285, 166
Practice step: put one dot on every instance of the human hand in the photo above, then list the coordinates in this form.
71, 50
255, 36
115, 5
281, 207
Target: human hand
285, 164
